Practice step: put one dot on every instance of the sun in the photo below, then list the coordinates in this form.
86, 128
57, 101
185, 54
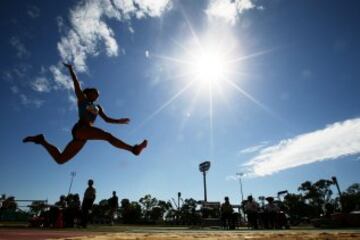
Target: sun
209, 66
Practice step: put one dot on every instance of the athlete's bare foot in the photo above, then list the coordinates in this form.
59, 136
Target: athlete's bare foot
139, 147
35, 139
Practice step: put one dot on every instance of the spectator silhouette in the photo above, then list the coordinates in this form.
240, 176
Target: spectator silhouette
73, 209
61, 204
251, 209
114, 205
88, 201
56, 213
226, 214
271, 211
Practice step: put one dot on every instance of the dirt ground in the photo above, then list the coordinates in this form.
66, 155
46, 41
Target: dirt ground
288, 235
172, 233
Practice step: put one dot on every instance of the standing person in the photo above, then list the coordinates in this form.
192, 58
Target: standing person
272, 211
251, 209
226, 214
73, 209
114, 205
84, 130
88, 201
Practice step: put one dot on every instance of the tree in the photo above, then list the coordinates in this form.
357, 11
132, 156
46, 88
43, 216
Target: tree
157, 212
188, 214
130, 212
36, 207
351, 198
9, 204
353, 189
296, 208
100, 212
148, 203
317, 195
153, 209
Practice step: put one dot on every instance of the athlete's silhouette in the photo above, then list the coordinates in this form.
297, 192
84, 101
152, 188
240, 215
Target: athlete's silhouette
84, 130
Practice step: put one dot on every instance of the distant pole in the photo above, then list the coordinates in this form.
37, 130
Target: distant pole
242, 194
241, 188
179, 196
205, 194
72, 174
204, 167
334, 179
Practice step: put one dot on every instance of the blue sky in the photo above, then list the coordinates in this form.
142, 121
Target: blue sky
285, 110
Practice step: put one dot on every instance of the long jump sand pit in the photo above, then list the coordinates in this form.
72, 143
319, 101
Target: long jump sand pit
224, 235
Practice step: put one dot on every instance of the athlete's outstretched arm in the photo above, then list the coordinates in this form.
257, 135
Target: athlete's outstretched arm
112, 120
79, 93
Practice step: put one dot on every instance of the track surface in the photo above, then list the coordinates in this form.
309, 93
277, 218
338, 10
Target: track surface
35, 234
156, 233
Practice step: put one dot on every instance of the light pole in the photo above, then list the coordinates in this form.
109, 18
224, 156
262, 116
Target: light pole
72, 174
179, 197
242, 194
241, 188
335, 181
204, 167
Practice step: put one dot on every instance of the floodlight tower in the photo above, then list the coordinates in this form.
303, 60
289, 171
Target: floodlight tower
72, 174
204, 167
241, 188
335, 181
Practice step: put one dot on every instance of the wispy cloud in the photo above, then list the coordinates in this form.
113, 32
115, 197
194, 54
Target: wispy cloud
337, 140
61, 80
84, 33
21, 51
254, 148
15, 78
231, 178
25, 100
21, 70
229, 10
33, 11
89, 35
60, 23
41, 84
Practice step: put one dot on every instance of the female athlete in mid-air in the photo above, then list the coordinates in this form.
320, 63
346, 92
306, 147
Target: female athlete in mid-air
83, 130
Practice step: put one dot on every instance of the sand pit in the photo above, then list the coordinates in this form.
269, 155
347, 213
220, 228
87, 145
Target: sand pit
221, 235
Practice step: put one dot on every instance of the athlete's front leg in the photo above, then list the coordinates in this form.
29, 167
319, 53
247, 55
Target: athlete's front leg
93, 133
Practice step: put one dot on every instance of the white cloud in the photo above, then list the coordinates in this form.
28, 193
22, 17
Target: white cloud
25, 100
21, 51
72, 99
131, 29
231, 178
89, 33
334, 141
147, 54
61, 80
21, 70
254, 148
41, 84
33, 12
7, 76
152, 8
229, 10
60, 23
